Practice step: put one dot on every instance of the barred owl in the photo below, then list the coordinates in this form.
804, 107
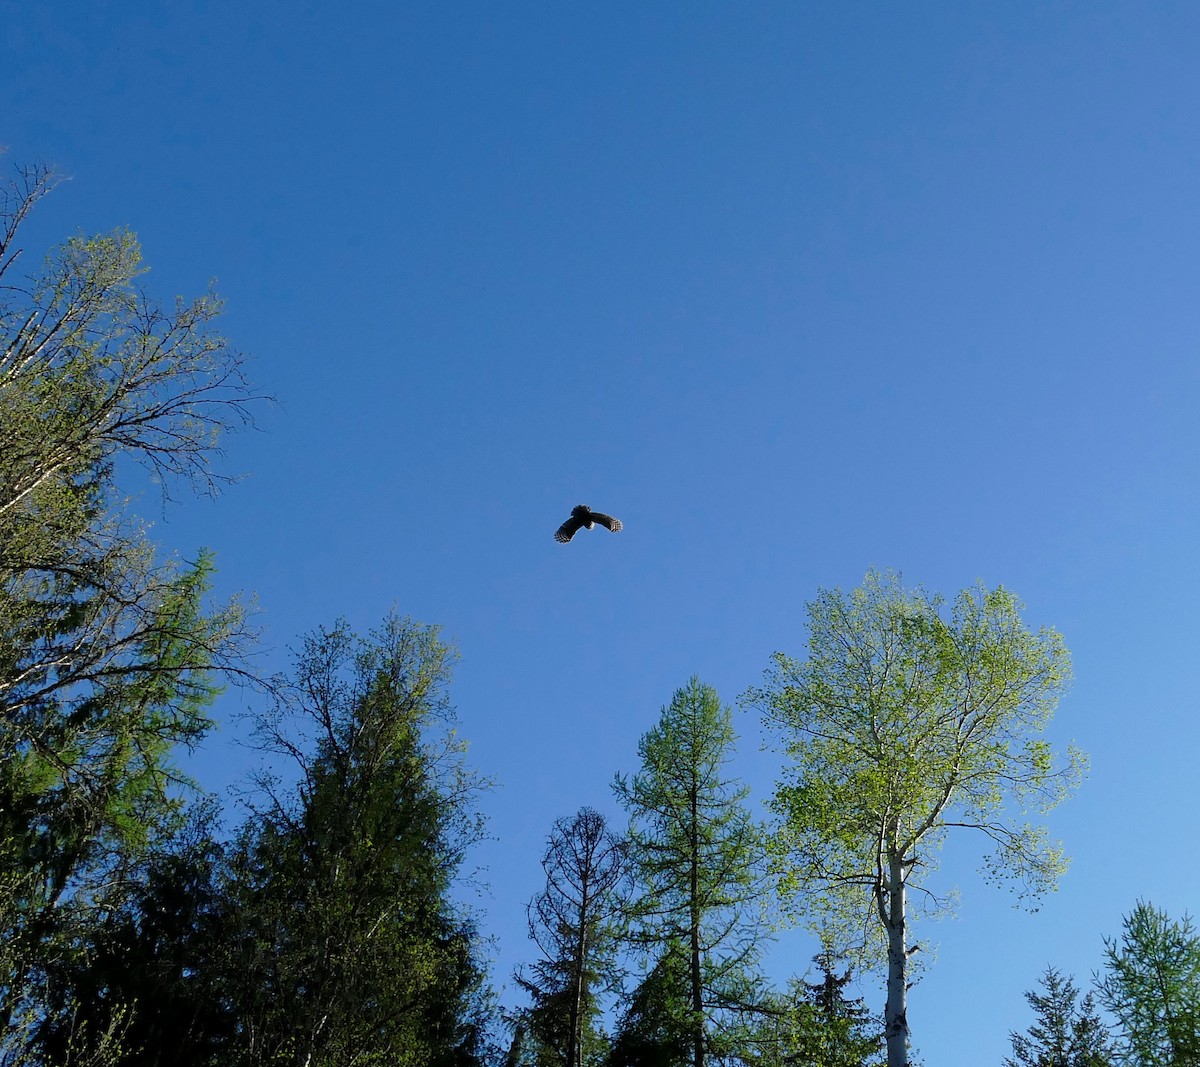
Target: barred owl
581, 516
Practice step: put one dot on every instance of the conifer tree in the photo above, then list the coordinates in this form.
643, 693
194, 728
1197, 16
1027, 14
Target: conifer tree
345, 945
1068, 1032
695, 862
575, 922
1151, 985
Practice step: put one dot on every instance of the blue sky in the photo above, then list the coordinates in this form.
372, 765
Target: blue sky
793, 289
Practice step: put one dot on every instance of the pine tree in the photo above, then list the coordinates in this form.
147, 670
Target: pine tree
345, 945
655, 1028
817, 1025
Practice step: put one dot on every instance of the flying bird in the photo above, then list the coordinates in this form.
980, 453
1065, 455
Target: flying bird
581, 516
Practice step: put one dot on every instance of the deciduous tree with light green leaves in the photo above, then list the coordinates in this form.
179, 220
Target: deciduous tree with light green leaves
907, 721
109, 651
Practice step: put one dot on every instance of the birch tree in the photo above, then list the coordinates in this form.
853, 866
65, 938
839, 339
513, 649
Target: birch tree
906, 722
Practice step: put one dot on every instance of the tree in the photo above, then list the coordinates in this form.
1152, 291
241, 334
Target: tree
149, 968
345, 945
1152, 987
574, 921
900, 726
109, 654
817, 1025
694, 857
656, 1028
1068, 1031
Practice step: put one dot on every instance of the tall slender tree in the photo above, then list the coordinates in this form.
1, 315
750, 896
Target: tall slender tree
345, 944
695, 861
575, 923
1151, 984
109, 653
899, 727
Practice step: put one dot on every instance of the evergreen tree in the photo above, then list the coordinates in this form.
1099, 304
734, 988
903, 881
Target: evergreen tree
655, 1028
694, 853
1152, 987
817, 1025
1068, 1032
344, 943
148, 973
575, 923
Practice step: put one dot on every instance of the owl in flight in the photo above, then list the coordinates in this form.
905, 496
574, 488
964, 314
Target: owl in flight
581, 516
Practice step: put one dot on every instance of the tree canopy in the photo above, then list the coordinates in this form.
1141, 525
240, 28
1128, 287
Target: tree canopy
901, 725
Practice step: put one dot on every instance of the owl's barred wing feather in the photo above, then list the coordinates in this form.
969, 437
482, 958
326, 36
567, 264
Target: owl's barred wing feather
607, 521
569, 529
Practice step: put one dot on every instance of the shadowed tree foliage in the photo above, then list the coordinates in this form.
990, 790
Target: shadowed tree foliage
900, 726
1068, 1031
695, 859
817, 1025
149, 969
1151, 985
655, 1029
344, 943
109, 655
575, 923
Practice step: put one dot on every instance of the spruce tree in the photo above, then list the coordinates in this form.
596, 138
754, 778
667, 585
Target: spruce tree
1068, 1032
344, 942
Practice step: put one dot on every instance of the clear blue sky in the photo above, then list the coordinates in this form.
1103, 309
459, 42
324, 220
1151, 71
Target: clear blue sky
793, 289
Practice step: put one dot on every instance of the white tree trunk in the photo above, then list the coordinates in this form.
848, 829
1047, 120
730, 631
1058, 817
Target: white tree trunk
895, 1014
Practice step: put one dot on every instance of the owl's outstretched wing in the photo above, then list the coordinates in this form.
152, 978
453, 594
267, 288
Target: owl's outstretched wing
569, 529
607, 521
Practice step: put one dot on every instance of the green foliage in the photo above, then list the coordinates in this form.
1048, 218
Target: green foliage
656, 1028
108, 655
901, 725
1152, 988
149, 967
817, 1025
344, 944
696, 861
1068, 1031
